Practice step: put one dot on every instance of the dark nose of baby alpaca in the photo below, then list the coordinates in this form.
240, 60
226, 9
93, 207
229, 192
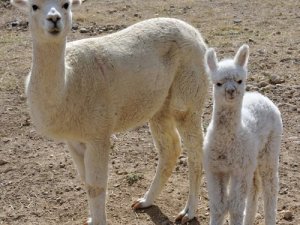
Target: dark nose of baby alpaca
230, 91
54, 19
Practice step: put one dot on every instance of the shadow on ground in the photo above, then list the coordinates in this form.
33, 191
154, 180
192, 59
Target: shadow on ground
159, 218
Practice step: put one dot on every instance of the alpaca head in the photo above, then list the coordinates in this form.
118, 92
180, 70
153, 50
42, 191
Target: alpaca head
49, 20
228, 76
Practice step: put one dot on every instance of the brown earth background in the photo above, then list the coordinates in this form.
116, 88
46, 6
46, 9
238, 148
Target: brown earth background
38, 181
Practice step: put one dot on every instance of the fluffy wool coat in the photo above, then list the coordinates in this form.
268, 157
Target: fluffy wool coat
241, 145
84, 91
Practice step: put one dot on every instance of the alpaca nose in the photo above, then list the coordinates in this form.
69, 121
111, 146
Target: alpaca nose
230, 91
53, 16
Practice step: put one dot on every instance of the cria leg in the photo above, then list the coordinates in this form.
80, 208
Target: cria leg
269, 176
237, 197
96, 171
270, 189
77, 150
167, 142
218, 197
190, 129
252, 200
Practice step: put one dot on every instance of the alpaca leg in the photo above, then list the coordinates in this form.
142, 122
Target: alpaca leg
218, 197
237, 197
252, 200
269, 175
190, 129
96, 171
77, 150
167, 142
270, 189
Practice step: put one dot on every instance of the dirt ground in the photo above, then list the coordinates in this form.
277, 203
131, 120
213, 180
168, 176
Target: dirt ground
38, 181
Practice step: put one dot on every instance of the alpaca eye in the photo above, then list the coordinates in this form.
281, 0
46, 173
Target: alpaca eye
35, 7
240, 81
66, 6
219, 84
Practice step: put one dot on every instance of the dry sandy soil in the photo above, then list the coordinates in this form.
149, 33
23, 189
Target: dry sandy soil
38, 182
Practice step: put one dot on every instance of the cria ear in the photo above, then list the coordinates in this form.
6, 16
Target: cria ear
20, 4
211, 60
76, 3
241, 57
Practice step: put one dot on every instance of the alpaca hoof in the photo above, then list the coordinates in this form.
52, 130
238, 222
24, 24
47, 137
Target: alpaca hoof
183, 218
140, 204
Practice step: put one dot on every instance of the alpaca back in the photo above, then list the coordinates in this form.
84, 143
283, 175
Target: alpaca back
261, 117
122, 79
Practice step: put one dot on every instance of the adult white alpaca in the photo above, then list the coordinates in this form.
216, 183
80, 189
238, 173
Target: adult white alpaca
84, 91
241, 146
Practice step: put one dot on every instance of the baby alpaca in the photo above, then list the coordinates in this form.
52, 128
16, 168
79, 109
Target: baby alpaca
242, 144
84, 91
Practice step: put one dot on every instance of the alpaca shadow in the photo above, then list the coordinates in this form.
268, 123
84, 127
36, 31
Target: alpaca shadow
159, 218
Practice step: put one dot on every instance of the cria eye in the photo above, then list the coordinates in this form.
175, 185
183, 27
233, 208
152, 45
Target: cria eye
35, 7
66, 6
240, 81
219, 84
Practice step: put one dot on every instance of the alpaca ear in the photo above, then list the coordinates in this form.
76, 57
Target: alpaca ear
20, 4
241, 57
76, 3
211, 60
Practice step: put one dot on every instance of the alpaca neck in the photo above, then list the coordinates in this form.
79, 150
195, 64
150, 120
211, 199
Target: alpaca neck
227, 117
47, 77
